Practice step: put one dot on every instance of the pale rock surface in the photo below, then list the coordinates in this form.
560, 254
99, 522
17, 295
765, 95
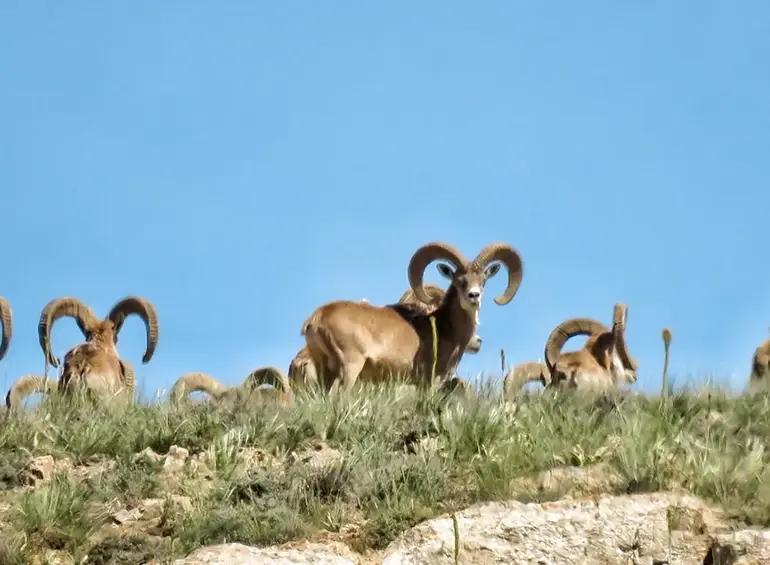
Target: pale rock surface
636, 529
239, 554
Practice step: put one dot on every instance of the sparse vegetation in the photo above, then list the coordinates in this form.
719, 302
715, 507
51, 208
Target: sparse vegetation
361, 467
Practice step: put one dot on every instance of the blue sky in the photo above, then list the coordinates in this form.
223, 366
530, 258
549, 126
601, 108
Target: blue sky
241, 163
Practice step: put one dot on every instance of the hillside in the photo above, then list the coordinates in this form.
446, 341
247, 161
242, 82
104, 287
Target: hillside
122, 486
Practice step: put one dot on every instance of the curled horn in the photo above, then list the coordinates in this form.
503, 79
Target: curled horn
566, 330
58, 308
128, 376
434, 292
423, 257
7, 320
24, 386
267, 375
195, 382
509, 257
142, 308
524, 373
619, 316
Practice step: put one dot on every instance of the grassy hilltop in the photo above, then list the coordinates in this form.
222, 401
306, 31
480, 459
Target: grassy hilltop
397, 457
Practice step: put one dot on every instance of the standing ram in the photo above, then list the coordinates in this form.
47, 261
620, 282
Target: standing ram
604, 360
250, 388
349, 339
302, 372
95, 366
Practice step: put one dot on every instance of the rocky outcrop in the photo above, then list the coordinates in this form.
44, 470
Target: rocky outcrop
643, 529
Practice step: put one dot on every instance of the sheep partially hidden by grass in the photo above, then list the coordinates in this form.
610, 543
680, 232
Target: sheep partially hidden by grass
251, 387
6, 318
95, 365
604, 360
349, 339
760, 368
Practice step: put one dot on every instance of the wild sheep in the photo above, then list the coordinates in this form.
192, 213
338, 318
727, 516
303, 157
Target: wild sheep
302, 372
602, 362
6, 318
349, 339
760, 367
195, 382
95, 366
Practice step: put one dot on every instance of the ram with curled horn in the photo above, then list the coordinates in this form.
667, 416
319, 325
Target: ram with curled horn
603, 362
349, 339
251, 388
302, 373
95, 365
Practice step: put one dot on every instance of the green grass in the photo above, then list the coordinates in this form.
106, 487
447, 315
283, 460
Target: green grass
407, 457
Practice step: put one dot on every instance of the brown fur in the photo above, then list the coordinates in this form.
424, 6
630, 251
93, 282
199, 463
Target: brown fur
249, 389
95, 366
6, 319
348, 340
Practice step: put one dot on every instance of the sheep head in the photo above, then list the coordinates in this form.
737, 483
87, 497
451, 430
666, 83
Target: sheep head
565, 331
102, 332
467, 277
7, 321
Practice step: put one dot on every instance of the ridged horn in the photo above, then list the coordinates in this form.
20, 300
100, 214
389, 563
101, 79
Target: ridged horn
509, 257
195, 382
142, 308
566, 330
434, 292
424, 256
26, 385
129, 378
58, 308
6, 318
619, 317
267, 375
524, 373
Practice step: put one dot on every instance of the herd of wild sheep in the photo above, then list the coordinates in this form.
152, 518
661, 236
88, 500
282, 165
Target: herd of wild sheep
421, 337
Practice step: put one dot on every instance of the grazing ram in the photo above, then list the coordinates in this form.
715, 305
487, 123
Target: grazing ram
302, 372
6, 318
603, 361
250, 388
349, 339
95, 366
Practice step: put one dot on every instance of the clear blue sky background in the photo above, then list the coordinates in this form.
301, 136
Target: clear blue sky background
241, 163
